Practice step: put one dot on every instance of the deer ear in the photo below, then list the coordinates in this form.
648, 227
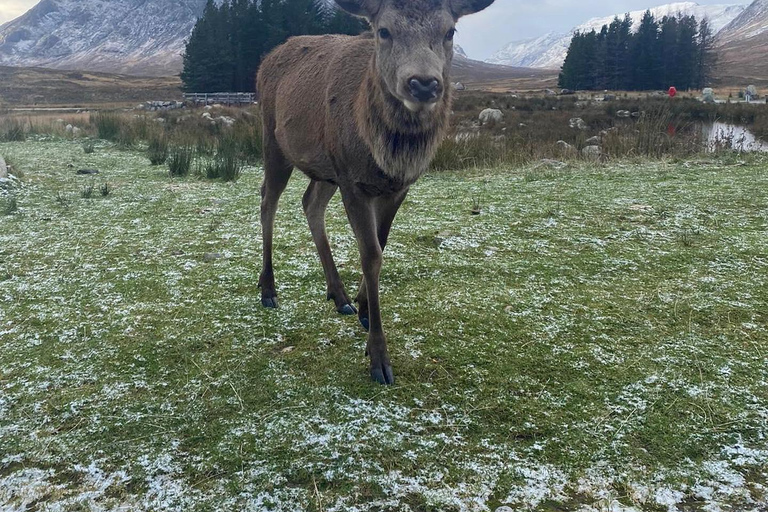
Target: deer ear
463, 7
363, 8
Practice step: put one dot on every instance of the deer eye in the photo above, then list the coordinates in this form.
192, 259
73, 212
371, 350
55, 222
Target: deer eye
450, 34
384, 34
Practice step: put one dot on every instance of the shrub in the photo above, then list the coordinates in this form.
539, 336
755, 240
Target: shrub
227, 164
157, 151
180, 160
107, 125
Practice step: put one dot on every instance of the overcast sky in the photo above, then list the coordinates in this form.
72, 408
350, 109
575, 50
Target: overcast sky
506, 20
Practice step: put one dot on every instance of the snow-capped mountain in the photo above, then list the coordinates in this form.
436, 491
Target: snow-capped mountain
752, 22
549, 50
127, 36
742, 46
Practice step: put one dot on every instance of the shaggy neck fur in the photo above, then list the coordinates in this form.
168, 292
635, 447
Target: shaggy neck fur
402, 142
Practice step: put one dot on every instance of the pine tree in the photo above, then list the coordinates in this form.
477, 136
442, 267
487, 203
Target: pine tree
707, 58
646, 54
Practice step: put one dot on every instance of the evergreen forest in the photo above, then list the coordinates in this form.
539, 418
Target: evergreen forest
673, 51
229, 40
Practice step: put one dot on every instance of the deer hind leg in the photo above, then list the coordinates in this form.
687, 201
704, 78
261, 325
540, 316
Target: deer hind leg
386, 209
315, 202
277, 172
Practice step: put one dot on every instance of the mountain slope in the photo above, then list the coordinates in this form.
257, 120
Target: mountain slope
742, 46
129, 36
549, 51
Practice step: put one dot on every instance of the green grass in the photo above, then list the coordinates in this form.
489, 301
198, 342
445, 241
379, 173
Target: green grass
596, 335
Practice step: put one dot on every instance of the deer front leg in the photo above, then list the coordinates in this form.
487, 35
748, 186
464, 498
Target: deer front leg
362, 216
385, 208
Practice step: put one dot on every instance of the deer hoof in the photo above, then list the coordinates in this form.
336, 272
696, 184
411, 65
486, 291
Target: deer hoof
348, 309
365, 322
383, 375
269, 302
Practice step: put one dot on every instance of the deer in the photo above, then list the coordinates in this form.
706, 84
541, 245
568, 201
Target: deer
363, 115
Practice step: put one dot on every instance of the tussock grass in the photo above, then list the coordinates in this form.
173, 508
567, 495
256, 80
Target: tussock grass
597, 335
180, 160
157, 151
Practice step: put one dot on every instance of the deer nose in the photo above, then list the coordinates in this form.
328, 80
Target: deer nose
424, 89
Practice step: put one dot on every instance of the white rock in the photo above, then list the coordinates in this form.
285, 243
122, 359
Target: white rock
578, 123
592, 151
491, 115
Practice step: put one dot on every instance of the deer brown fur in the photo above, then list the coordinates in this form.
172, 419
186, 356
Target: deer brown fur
363, 115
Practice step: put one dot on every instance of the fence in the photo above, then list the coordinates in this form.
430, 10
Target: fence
225, 98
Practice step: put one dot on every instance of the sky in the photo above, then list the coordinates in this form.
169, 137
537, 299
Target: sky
505, 21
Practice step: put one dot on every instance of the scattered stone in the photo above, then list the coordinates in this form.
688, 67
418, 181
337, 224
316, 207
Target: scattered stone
85, 172
459, 86
578, 123
637, 114
504, 509
561, 144
177, 252
623, 114
207, 107
549, 92
708, 95
227, 121
206, 115
69, 128
592, 151
566, 92
491, 115
76, 130
212, 256
609, 97
593, 141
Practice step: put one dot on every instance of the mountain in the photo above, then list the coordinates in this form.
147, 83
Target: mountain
137, 37
742, 46
549, 50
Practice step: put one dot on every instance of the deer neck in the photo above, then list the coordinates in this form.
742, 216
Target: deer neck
402, 142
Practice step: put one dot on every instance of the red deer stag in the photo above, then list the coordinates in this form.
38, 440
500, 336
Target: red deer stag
364, 115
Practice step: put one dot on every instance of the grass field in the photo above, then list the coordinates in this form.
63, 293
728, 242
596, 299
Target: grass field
594, 340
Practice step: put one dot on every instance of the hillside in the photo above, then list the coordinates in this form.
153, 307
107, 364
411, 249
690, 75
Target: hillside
38, 86
131, 36
742, 46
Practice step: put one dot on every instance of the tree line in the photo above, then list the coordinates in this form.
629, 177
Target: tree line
674, 51
229, 40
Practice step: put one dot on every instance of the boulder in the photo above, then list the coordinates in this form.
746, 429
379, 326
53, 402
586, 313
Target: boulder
459, 86
609, 97
578, 123
593, 141
3, 168
549, 92
592, 152
623, 114
564, 146
491, 115
708, 95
